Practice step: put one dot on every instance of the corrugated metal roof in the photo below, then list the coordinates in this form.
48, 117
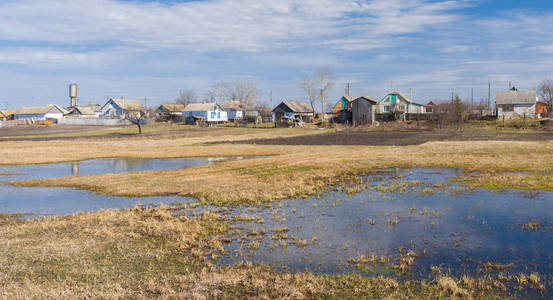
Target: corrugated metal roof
173, 107
128, 104
298, 107
202, 106
516, 97
36, 110
84, 110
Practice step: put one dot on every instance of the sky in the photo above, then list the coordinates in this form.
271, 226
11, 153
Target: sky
150, 50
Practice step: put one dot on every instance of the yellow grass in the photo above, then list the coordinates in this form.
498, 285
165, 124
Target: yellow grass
291, 171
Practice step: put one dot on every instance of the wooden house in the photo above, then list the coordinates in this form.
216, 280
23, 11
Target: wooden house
204, 112
516, 104
169, 112
363, 111
342, 109
541, 109
291, 111
237, 110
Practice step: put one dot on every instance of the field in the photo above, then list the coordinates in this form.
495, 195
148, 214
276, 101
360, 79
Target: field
171, 252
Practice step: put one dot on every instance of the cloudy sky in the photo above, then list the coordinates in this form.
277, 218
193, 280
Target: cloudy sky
153, 49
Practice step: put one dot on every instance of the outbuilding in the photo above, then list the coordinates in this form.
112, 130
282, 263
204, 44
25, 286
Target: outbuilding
363, 111
169, 111
237, 110
516, 104
291, 111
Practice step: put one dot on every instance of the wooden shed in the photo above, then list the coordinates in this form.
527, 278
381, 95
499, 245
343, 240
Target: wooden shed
363, 111
288, 112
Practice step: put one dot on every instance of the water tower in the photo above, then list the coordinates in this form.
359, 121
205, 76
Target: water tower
73, 94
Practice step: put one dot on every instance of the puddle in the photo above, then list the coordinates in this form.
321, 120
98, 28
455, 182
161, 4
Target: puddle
40, 201
405, 235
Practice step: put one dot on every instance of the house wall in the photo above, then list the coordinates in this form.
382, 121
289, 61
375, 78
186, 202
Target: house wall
29, 116
519, 111
111, 110
208, 116
234, 114
56, 116
363, 112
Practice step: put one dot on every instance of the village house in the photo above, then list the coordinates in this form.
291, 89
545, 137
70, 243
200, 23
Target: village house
121, 108
195, 113
169, 111
516, 104
342, 109
291, 111
541, 109
237, 110
48, 112
363, 111
430, 106
6, 115
397, 103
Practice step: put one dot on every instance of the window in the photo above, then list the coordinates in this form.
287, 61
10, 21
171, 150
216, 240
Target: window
218, 115
213, 115
508, 107
387, 108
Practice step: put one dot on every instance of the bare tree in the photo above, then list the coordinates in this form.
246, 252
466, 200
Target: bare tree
324, 81
186, 97
545, 91
137, 118
244, 91
308, 85
218, 92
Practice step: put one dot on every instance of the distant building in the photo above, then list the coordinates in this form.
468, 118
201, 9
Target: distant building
541, 109
237, 110
342, 109
6, 115
430, 106
169, 111
49, 112
121, 107
396, 102
292, 110
516, 104
204, 112
82, 112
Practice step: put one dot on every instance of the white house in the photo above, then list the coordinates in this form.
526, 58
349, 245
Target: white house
121, 107
207, 112
237, 110
516, 104
397, 102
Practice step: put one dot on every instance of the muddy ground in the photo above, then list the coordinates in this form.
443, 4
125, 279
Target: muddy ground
400, 138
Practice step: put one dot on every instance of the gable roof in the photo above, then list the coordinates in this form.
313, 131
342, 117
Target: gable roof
202, 106
297, 107
172, 107
6, 113
84, 110
37, 110
236, 105
401, 95
126, 104
94, 106
516, 97
366, 98
431, 103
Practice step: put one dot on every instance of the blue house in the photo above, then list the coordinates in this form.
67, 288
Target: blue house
237, 110
121, 107
205, 112
49, 112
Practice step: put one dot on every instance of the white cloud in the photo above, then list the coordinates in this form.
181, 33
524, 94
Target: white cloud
455, 48
248, 25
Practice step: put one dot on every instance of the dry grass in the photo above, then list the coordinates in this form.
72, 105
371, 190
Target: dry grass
151, 253
299, 171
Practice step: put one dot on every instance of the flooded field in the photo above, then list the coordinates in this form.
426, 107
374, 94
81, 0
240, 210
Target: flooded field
408, 224
63, 201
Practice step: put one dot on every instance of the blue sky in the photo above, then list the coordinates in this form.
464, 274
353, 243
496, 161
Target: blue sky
153, 49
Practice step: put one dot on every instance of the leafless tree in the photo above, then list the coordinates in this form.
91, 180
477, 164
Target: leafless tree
137, 118
324, 81
218, 92
308, 85
244, 91
186, 97
545, 91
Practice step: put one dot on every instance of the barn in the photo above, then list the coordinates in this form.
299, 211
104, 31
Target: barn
363, 111
289, 111
516, 104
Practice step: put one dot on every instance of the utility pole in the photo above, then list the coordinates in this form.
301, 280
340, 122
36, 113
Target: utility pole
411, 93
471, 100
322, 106
489, 92
145, 102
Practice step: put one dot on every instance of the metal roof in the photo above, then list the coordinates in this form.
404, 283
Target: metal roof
366, 98
516, 97
236, 105
202, 106
84, 110
127, 104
